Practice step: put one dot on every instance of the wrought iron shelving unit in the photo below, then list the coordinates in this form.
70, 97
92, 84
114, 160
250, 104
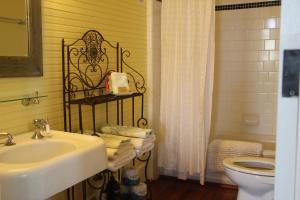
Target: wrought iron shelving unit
85, 65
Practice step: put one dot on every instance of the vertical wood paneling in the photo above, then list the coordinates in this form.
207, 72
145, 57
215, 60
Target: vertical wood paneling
123, 21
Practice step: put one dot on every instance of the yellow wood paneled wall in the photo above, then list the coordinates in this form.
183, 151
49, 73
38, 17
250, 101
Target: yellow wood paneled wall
123, 21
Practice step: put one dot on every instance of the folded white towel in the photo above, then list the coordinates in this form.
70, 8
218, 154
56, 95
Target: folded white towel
113, 154
127, 131
146, 148
147, 141
115, 143
121, 161
138, 143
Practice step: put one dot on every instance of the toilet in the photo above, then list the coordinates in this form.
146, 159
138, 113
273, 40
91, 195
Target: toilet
253, 175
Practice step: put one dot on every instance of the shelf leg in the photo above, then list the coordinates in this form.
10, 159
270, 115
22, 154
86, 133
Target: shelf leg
94, 119
68, 194
122, 114
80, 118
84, 190
118, 115
132, 111
106, 107
73, 193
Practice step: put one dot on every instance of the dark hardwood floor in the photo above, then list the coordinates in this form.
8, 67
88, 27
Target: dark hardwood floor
166, 188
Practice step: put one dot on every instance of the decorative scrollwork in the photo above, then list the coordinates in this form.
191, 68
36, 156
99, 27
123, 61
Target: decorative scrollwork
145, 157
93, 41
99, 180
142, 121
88, 65
137, 78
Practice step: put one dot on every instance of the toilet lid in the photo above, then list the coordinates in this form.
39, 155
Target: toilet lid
251, 165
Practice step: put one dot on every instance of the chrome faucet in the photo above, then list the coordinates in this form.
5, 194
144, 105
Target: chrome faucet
40, 126
9, 141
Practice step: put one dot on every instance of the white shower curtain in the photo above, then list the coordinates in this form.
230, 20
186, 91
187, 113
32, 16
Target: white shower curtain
186, 86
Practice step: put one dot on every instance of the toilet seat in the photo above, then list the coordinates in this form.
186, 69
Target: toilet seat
251, 165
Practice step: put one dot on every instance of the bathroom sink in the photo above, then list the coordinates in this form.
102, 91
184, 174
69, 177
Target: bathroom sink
38, 169
35, 151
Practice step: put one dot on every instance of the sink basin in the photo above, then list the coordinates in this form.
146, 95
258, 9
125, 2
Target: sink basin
35, 151
38, 169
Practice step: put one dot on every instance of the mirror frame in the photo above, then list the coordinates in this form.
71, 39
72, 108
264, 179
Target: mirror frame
31, 65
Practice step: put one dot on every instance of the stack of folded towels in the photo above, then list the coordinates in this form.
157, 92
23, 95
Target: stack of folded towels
141, 139
119, 151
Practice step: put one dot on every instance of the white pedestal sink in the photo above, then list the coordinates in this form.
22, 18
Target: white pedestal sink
38, 169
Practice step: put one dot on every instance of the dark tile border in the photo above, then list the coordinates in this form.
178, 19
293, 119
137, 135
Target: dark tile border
248, 5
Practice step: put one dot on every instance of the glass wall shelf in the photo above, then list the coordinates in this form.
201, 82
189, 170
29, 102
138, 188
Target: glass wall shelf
26, 100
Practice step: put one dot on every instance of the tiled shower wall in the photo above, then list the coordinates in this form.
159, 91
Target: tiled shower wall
246, 73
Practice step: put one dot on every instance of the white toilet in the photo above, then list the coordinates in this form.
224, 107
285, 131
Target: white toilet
253, 175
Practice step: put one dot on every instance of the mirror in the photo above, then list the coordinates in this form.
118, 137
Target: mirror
20, 38
13, 25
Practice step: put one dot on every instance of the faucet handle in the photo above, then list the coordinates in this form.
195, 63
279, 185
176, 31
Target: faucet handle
9, 141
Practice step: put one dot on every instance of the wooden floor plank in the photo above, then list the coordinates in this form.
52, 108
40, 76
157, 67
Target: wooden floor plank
170, 189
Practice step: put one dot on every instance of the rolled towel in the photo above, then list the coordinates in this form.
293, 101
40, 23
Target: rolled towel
127, 131
218, 150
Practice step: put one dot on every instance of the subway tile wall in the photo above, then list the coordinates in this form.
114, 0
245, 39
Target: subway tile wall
246, 73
